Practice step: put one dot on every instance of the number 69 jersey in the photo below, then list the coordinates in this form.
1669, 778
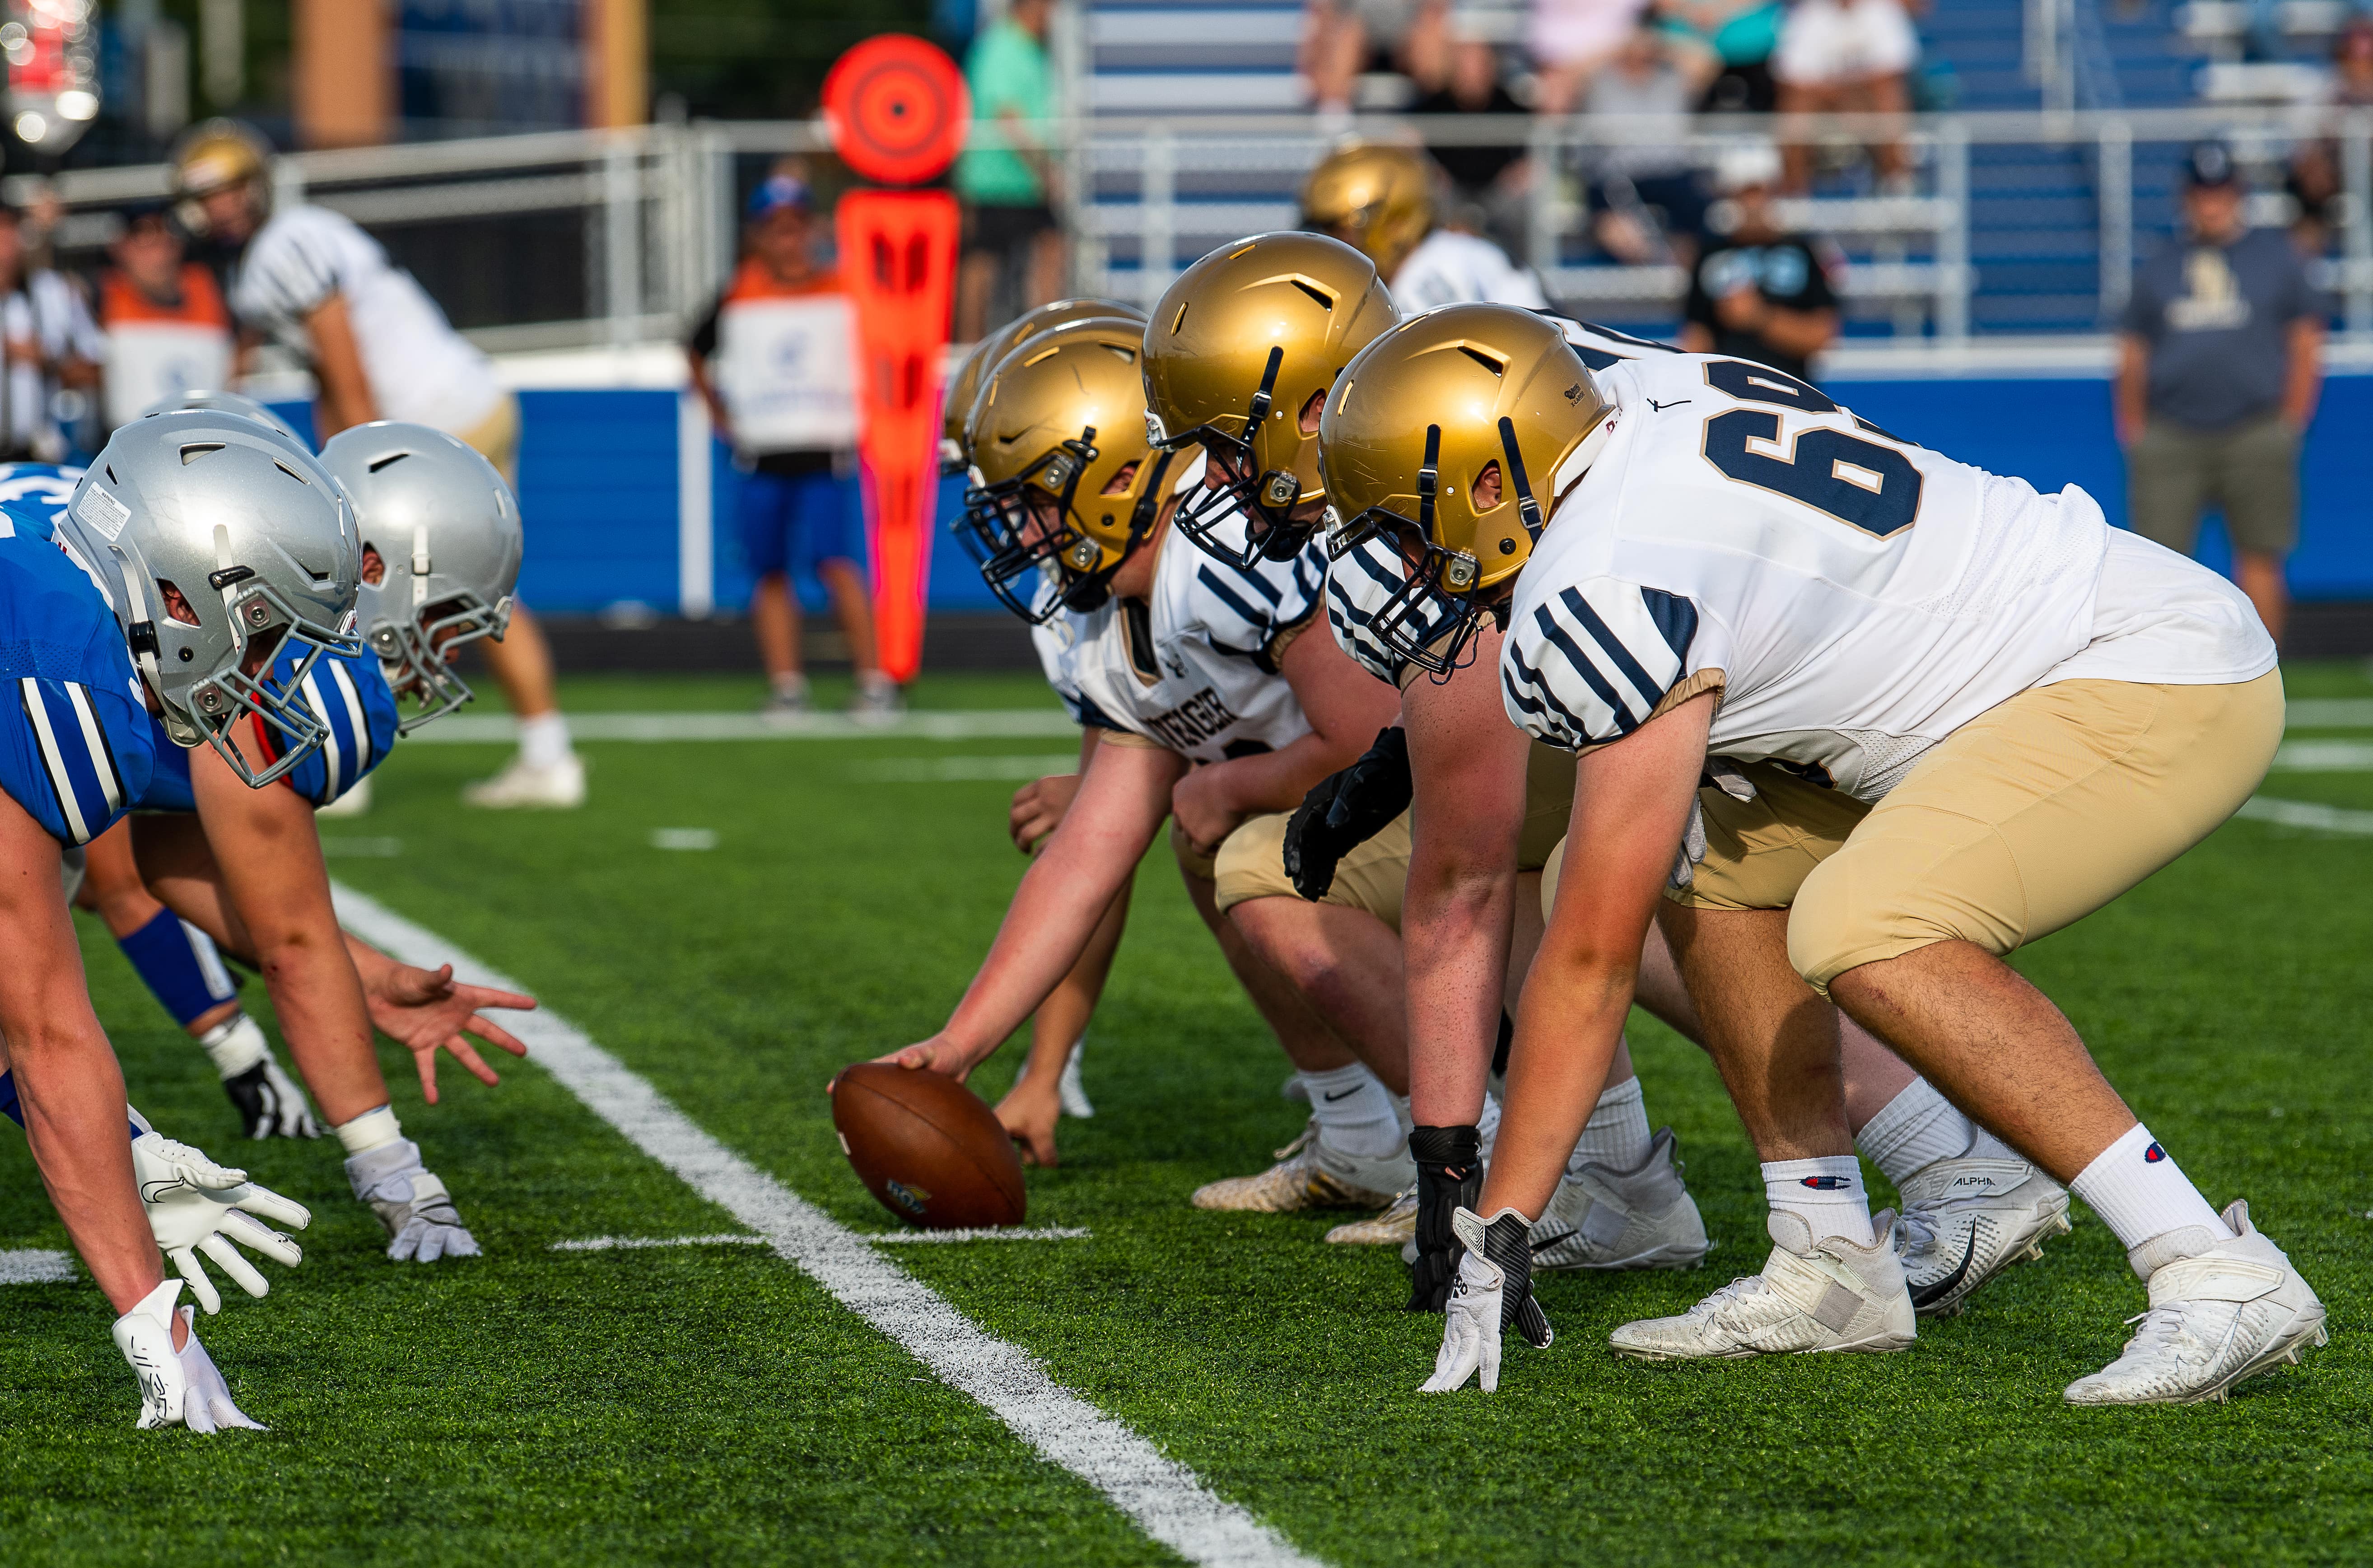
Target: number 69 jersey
1855, 598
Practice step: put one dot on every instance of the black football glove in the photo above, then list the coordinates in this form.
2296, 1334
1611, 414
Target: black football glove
1449, 1178
1494, 1293
1345, 810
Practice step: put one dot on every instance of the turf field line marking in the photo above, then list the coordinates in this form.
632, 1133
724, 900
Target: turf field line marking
618, 1244
984, 725
947, 770
2306, 814
2329, 713
2324, 757
1016, 1233
35, 1266
1165, 1498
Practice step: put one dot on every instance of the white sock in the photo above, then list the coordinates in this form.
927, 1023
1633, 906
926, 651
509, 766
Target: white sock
1826, 1193
1355, 1110
2139, 1192
1915, 1130
790, 684
872, 681
543, 740
1617, 1136
1486, 1126
235, 1045
372, 1130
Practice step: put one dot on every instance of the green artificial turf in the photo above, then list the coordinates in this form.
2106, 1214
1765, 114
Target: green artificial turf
711, 1404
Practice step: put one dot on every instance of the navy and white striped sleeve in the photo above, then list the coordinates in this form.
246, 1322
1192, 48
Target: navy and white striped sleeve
1359, 585
296, 264
61, 765
1252, 612
1590, 664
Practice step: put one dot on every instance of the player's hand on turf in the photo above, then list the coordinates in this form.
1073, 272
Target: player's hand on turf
195, 1205
1039, 808
428, 1011
1204, 811
1345, 810
178, 1387
1028, 1114
1493, 1294
269, 1102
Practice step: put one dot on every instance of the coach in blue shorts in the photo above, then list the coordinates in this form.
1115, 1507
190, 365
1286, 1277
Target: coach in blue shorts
773, 361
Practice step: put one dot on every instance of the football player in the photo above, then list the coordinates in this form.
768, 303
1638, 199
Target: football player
1379, 198
77, 753
241, 861
1049, 1085
1498, 810
1973, 714
1202, 701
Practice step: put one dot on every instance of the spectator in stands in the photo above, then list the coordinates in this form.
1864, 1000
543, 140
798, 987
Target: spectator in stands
1489, 182
1012, 247
379, 348
1845, 56
2219, 368
1647, 202
1758, 292
783, 396
51, 345
2316, 180
1741, 35
1571, 40
167, 328
1343, 40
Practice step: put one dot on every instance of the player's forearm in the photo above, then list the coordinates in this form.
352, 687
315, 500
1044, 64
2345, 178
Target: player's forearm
2132, 399
1455, 937
1056, 910
70, 1091
1568, 1026
1801, 332
1276, 782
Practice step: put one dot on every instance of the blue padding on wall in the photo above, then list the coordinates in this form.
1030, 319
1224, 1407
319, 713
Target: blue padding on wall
598, 484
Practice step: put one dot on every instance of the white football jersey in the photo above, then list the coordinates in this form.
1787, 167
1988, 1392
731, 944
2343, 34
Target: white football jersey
1359, 585
1451, 268
1195, 669
1854, 597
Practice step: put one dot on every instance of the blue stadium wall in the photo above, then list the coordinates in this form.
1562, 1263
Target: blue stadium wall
598, 484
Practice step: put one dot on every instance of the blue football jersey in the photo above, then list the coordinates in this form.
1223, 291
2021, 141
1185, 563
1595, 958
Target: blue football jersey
76, 747
355, 707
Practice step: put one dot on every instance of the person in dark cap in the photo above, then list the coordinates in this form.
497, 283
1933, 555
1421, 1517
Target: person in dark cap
2219, 365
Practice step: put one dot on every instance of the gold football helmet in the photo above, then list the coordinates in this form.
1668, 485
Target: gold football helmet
965, 385
1452, 437
1374, 196
217, 156
1070, 484
1238, 357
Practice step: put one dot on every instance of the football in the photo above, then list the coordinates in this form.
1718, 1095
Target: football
927, 1148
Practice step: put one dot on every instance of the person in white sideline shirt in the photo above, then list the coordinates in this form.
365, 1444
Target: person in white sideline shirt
51, 345
380, 349
1379, 199
167, 328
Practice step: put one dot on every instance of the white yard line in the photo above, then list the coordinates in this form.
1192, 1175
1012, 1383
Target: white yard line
950, 769
879, 1238
1165, 1498
1017, 1233
985, 724
2329, 713
35, 1266
2324, 757
2308, 814
630, 1244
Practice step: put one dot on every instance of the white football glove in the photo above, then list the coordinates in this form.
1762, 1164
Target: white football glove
176, 1387
1493, 1294
195, 1205
411, 1202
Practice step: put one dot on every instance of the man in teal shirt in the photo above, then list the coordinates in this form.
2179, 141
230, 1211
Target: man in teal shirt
1012, 249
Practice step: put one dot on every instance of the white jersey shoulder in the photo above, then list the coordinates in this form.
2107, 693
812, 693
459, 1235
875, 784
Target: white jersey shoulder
1855, 597
418, 366
1451, 268
1195, 669
1361, 582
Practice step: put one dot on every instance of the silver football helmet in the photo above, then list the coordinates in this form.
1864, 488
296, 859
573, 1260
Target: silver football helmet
226, 402
221, 543
441, 547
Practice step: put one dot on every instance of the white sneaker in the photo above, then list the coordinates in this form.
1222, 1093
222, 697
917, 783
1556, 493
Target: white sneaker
1397, 1226
1071, 1091
1966, 1221
876, 701
1309, 1175
1832, 1296
560, 787
1642, 1217
2220, 1311
355, 801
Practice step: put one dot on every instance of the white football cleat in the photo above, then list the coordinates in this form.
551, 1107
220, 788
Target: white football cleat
1309, 1175
1642, 1217
1071, 1091
355, 801
2220, 1312
1966, 1221
560, 787
411, 1202
1397, 1226
1830, 1296
877, 700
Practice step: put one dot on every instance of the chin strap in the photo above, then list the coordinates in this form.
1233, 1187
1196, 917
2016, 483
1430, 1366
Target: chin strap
1527, 508
140, 635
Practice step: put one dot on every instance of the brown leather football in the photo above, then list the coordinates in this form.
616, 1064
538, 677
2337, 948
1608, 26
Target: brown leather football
927, 1148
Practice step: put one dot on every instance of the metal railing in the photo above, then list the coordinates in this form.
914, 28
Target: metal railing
585, 239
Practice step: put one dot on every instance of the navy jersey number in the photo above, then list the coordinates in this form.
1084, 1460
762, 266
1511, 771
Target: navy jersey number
1860, 483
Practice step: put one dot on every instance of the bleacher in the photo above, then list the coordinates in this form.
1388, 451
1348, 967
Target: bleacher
2036, 213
